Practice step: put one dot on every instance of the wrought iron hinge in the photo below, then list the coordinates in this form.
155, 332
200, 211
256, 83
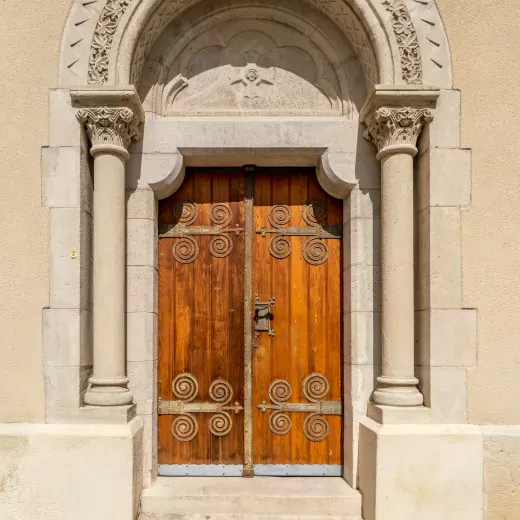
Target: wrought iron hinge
185, 426
315, 388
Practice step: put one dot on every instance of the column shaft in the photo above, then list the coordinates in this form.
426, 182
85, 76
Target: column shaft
397, 383
108, 385
109, 266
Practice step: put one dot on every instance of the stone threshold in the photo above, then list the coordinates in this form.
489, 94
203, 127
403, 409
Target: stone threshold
270, 498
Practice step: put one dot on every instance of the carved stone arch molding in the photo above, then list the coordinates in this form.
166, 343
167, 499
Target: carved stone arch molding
397, 41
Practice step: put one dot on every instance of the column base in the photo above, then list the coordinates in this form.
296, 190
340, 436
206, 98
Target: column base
398, 391
122, 414
398, 414
108, 392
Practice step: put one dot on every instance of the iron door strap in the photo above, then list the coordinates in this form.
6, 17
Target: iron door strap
249, 189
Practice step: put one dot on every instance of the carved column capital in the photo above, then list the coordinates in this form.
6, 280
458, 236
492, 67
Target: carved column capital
395, 115
110, 128
396, 129
111, 117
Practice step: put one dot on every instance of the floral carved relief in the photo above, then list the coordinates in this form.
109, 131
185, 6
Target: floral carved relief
396, 126
102, 40
114, 10
407, 41
114, 126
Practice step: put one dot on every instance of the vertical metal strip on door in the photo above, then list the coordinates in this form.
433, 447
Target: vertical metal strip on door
248, 324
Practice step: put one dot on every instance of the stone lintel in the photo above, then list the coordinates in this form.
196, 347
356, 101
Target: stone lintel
108, 96
413, 96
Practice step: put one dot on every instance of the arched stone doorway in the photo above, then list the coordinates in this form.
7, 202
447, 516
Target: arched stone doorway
286, 84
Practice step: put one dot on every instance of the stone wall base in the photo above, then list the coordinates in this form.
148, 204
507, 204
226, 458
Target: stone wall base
65, 471
426, 472
406, 472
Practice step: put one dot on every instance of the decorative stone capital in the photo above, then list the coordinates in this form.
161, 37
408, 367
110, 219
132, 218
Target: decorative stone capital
395, 116
396, 129
111, 117
110, 128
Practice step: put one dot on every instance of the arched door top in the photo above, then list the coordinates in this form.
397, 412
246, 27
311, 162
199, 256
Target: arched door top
107, 42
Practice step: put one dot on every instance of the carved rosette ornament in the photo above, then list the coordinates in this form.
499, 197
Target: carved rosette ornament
110, 127
396, 129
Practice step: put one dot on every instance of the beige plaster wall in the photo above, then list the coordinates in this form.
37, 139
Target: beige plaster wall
485, 44
30, 34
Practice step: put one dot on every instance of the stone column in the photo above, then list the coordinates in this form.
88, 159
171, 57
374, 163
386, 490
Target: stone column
394, 130
110, 130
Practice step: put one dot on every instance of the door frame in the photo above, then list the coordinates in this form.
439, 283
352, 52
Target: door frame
248, 468
155, 176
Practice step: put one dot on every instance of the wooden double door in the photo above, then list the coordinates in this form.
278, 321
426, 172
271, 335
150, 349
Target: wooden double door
250, 325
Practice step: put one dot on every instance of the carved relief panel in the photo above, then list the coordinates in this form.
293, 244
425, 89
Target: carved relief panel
252, 67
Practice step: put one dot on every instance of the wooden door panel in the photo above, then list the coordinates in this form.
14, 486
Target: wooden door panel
200, 322
306, 321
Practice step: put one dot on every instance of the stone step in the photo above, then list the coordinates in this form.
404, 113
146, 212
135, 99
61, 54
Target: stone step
260, 498
260, 516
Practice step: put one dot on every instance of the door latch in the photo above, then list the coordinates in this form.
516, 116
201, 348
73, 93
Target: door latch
263, 317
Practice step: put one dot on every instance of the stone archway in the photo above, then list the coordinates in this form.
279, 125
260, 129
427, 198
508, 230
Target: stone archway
113, 47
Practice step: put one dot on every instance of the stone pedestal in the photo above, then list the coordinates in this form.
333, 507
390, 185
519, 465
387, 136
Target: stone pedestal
416, 471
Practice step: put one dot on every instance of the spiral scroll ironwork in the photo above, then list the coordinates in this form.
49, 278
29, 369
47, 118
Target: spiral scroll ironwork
220, 391
315, 212
185, 250
280, 247
220, 424
185, 387
315, 251
315, 387
185, 427
221, 246
279, 215
186, 212
221, 214
280, 391
316, 428
280, 423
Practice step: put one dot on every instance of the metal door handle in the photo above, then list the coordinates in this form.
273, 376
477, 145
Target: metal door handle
263, 316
